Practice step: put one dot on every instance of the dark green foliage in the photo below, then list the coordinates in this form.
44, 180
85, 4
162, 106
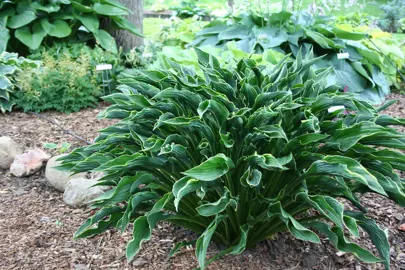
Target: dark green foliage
240, 154
30, 23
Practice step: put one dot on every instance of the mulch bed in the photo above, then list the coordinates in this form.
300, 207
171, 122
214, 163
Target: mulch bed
36, 227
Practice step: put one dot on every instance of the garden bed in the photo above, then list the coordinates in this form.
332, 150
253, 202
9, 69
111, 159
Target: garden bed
36, 227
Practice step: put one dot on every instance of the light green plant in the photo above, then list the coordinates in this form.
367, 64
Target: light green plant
229, 57
240, 154
63, 148
180, 32
65, 83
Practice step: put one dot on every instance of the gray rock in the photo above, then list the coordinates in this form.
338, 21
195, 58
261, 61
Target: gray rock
29, 162
8, 150
79, 191
59, 179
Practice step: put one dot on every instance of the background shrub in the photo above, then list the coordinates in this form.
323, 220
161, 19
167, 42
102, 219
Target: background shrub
241, 153
66, 82
67, 79
394, 11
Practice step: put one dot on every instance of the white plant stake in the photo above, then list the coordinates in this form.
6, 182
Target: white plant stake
335, 108
343, 55
104, 68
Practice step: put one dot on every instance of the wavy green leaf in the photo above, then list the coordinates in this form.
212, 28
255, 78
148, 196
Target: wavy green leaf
211, 169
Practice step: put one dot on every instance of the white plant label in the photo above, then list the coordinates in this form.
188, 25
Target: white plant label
335, 108
103, 67
343, 55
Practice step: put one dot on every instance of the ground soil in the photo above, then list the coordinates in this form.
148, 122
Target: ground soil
36, 227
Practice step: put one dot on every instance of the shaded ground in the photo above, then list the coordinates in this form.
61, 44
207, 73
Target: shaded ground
36, 227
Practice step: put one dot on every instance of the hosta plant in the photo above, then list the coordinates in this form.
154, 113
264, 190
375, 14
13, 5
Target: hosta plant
32, 22
240, 154
10, 66
365, 71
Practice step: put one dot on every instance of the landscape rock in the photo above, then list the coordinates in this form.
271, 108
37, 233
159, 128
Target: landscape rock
79, 191
29, 162
56, 178
8, 150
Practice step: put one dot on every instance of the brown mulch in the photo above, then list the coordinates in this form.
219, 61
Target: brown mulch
36, 227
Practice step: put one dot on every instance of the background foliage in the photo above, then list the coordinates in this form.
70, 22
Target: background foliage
10, 66
394, 11
67, 80
363, 72
31, 23
187, 9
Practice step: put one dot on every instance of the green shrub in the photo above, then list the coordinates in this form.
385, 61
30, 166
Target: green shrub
240, 154
32, 22
10, 66
286, 32
66, 82
95, 56
57, 90
394, 11
69, 72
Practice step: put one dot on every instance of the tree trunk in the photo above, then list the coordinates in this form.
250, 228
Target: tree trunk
230, 4
125, 39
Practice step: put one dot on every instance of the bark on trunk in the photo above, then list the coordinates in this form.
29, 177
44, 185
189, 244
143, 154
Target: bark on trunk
230, 4
124, 38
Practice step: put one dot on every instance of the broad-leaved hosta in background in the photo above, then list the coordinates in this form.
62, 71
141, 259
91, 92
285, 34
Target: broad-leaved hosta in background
10, 66
365, 72
34, 22
241, 154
